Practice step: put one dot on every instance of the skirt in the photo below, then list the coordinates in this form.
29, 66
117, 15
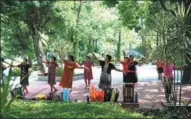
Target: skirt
51, 78
105, 81
24, 80
125, 78
160, 70
130, 77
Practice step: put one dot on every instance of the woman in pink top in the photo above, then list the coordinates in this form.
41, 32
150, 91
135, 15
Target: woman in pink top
88, 76
168, 68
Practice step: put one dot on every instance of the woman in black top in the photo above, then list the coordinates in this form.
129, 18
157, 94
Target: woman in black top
105, 79
24, 80
132, 71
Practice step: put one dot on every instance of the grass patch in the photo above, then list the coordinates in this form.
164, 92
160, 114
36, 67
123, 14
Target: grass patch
48, 109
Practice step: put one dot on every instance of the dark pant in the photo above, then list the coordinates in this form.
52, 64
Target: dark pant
160, 70
130, 77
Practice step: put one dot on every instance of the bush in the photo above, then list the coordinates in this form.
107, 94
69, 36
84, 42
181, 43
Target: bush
5, 102
16, 72
59, 71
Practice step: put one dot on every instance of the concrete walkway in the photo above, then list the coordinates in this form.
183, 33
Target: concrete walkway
150, 94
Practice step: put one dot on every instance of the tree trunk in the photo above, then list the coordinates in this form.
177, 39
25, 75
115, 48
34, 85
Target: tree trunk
38, 52
119, 46
90, 45
96, 46
75, 41
187, 72
157, 39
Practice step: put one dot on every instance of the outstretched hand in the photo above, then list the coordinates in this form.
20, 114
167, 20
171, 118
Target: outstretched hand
124, 72
87, 68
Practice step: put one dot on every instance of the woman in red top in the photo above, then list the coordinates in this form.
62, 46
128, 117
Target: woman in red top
125, 66
88, 76
52, 73
159, 64
67, 76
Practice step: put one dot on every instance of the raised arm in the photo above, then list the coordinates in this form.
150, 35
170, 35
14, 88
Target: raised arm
60, 56
124, 55
15, 65
119, 70
116, 69
96, 57
180, 67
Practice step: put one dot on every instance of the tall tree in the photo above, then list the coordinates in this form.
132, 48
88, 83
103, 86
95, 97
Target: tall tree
35, 14
187, 4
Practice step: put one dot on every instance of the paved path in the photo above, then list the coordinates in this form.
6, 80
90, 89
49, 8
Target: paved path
150, 93
149, 88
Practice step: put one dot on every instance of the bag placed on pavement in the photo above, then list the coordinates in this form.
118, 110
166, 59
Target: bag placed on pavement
108, 93
114, 95
65, 94
128, 92
53, 96
18, 92
92, 93
96, 94
40, 96
100, 95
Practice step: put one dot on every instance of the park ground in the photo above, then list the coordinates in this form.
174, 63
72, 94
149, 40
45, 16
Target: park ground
149, 88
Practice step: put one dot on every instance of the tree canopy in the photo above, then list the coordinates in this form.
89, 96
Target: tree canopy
35, 28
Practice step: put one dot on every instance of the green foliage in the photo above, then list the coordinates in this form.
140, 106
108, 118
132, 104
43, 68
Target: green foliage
5, 102
146, 49
16, 40
35, 68
45, 109
59, 71
16, 72
132, 13
66, 26
173, 29
110, 3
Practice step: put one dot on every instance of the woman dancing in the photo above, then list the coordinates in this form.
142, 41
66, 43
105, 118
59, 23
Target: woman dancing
105, 79
67, 76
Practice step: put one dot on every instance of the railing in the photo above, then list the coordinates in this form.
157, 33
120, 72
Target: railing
176, 90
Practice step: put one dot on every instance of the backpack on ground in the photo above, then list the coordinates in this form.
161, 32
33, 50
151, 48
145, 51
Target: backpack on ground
18, 92
53, 96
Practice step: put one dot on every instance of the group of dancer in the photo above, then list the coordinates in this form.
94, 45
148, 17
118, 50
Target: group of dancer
129, 71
